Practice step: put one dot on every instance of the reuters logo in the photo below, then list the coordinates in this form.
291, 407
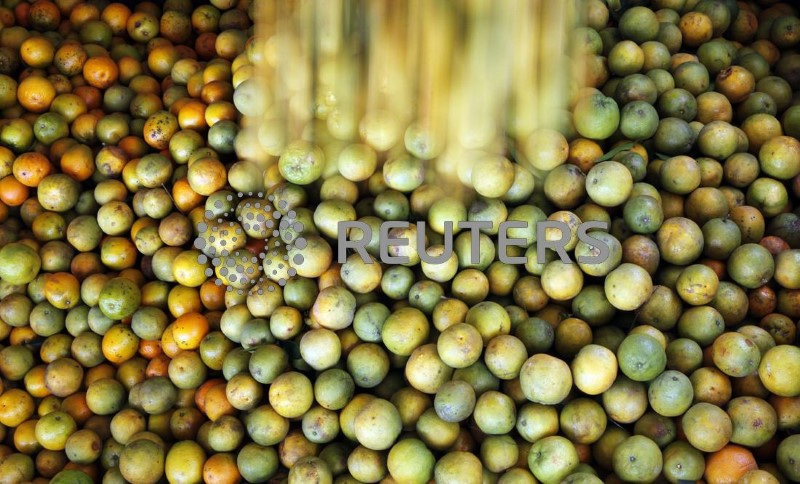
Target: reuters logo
247, 240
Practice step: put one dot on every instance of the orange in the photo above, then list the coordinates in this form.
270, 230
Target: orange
30, 168
192, 116
184, 197
78, 162
16, 406
116, 16
735, 82
220, 111
159, 128
212, 295
158, 366
729, 464
35, 93
202, 390
216, 402
120, 344
150, 349
62, 290
70, 57
37, 52
35, 382
25, 437
75, 405
44, 15
182, 300
696, 28
168, 345
189, 329
161, 59
221, 469
100, 72
584, 153
12, 192
82, 13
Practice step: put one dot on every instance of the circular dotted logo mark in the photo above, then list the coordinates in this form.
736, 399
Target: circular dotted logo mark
235, 262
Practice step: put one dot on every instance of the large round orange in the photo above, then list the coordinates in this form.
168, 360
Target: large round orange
161, 59
189, 329
185, 198
192, 115
44, 15
35, 93
16, 406
25, 437
729, 464
62, 290
30, 168
116, 16
78, 162
120, 344
100, 72
70, 57
35, 382
220, 111
12, 192
221, 469
37, 52
182, 300
159, 128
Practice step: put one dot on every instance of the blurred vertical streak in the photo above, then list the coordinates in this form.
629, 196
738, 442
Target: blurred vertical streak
444, 80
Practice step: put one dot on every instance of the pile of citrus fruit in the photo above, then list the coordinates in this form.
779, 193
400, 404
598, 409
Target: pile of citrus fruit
125, 200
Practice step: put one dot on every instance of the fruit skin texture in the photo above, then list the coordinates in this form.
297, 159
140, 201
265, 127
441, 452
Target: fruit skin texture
637, 459
545, 379
596, 117
708, 428
779, 370
19, 263
787, 453
729, 464
553, 458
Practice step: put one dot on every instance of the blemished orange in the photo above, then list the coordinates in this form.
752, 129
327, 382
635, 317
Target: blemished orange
31, 167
